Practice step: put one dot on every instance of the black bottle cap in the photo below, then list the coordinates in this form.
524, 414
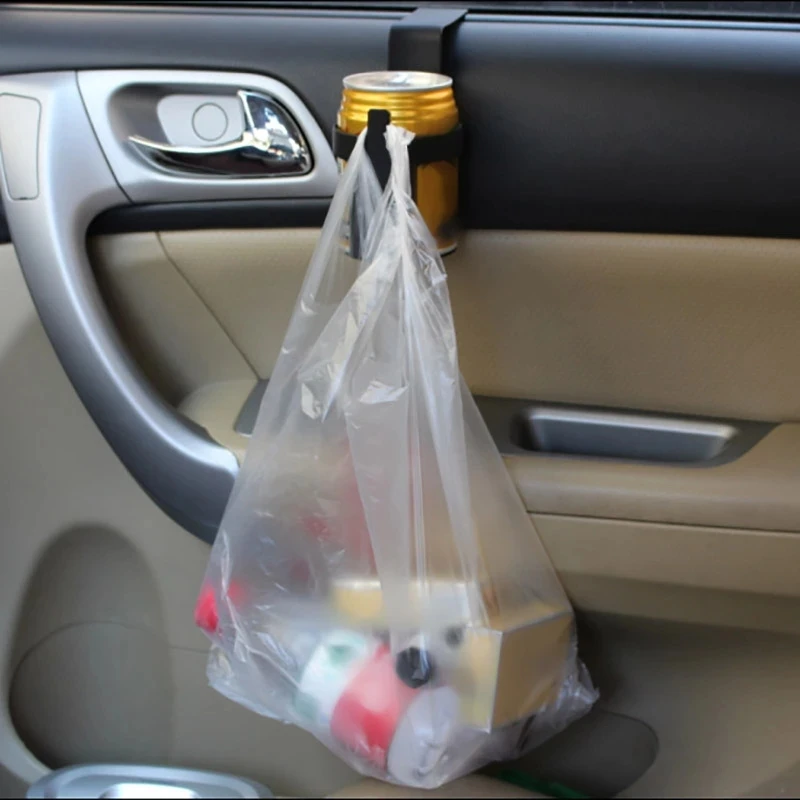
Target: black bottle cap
414, 667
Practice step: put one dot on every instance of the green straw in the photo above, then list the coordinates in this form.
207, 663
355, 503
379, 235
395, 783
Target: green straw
549, 788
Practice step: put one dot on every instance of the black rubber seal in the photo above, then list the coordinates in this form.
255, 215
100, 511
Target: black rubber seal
232, 214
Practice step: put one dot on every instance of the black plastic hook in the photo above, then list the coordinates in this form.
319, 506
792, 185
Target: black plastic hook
375, 144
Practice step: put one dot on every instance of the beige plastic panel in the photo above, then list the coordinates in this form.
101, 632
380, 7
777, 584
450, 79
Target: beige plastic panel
787, 784
250, 279
85, 550
699, 325
724, 701
472, 786
216, 407
689, 324
758, 490
674, 323
733, 576
710, 576
173, 335
95, 692
725, 704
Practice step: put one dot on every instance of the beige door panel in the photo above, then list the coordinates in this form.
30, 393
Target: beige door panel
541, 315
738, 575
703, 566
520, 297
94, 576
471, 786
174, 336
724, 703
65, 494
696, 325
250, 279
216, 408
693, 325
758, 490
712, 576
787, 784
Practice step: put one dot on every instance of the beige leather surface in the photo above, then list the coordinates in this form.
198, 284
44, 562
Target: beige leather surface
674, 323
699, 325
249, 279
654, 570
108, 561
692, 324
725, 704
787, 784
724, 701
216, 407
470, 786
174, 336
699, 572
710, 576
758, 490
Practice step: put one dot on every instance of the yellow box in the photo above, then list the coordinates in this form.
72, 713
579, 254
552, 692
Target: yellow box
504, 671
361, 601
509, 670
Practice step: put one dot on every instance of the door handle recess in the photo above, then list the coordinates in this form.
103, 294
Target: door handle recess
78, 176
271, 144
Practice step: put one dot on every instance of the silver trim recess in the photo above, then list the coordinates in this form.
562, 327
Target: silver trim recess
270, 146
547, 430
612, 434
526, 428
123, 103
143, 781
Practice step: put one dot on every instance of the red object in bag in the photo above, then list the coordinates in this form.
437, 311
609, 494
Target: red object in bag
206, 610
370, 709
206, 615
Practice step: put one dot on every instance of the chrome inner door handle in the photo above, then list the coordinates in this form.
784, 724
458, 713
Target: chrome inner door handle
271, 144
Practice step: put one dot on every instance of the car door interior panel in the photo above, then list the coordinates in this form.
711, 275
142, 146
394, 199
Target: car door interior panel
625, 292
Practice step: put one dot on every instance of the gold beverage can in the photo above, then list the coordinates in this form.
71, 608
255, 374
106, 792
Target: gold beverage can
423, 103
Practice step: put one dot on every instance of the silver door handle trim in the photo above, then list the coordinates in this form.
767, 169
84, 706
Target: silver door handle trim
109, 95
175, 461
271, 145
85, 165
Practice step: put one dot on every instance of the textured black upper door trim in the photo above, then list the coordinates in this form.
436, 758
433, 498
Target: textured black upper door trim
644, 128
570, 125
272, 213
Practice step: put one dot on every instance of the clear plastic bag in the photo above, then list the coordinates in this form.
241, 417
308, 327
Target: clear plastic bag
376, 579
